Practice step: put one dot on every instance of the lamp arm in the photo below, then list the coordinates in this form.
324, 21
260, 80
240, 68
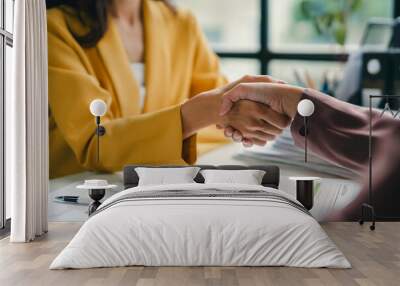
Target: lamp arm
100, 131
305, 137
98, 108
305, 108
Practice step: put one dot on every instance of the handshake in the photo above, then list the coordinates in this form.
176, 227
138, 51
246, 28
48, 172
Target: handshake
255, 109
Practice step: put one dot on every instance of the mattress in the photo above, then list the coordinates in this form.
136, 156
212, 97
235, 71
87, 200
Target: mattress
201, 225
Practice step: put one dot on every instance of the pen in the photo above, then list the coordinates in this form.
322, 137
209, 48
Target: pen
67, 199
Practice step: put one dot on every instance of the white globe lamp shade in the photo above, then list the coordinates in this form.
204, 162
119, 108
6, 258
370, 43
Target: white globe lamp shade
374, 66
305, 107
98, 107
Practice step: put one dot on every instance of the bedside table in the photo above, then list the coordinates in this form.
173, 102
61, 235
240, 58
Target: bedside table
97, 190
305, 190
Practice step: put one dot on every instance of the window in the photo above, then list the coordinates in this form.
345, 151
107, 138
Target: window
272, 36
235, 68
299, 32
226, 24
6, 43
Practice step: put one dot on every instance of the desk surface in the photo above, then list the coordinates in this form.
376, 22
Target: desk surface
230, 154
336, 192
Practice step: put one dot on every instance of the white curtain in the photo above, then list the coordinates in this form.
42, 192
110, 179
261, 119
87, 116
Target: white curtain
27, 123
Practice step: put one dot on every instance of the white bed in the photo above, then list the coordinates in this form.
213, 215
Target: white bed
206, 230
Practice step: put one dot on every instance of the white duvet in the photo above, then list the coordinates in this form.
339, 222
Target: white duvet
200, 231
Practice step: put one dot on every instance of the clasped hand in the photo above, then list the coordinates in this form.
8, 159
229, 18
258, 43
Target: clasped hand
255, 109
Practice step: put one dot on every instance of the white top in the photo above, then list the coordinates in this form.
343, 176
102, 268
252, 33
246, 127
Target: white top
138, 70
96, 184
304, 178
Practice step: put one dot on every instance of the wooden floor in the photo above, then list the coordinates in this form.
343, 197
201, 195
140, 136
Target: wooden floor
375, 257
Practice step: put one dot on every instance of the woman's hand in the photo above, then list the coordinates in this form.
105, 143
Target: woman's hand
254, 121
204, 109
281, 99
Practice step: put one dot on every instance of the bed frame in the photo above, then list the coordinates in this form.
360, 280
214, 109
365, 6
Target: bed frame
270, 179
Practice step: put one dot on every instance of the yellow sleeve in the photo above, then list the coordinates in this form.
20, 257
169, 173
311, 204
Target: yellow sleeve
206, 75
151, 138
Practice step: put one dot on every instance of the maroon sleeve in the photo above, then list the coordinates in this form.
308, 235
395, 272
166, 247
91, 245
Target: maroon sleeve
339, 132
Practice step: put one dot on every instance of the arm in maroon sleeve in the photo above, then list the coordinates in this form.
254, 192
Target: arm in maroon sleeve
339, 132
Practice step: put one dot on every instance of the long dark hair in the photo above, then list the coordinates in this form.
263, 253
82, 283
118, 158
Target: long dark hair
93, 14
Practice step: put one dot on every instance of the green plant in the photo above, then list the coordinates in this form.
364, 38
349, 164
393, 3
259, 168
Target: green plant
330, 17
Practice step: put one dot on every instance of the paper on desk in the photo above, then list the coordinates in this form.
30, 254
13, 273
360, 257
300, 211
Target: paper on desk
284, 151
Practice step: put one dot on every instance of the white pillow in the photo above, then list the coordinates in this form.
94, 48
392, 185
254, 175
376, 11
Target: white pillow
247, 177
164, 176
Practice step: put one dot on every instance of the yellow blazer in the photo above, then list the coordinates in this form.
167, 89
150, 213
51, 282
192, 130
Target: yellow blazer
179, 64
